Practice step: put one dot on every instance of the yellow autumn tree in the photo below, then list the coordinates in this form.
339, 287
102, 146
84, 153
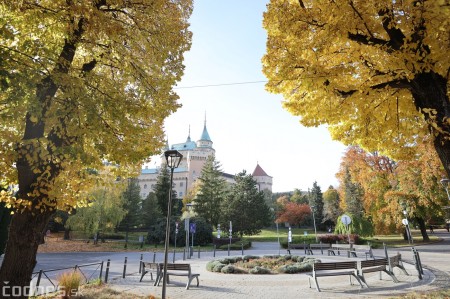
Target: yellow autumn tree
375, 71
83, 84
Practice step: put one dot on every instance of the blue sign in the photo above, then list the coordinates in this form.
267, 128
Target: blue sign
192, 228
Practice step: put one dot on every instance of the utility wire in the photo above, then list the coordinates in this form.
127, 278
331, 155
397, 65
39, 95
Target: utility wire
221, 84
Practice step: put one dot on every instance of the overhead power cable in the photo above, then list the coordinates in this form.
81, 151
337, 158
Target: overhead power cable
220, 84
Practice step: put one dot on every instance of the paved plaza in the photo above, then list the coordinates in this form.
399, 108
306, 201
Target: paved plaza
434, 258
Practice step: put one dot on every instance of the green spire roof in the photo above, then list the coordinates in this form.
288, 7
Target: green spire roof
205, 135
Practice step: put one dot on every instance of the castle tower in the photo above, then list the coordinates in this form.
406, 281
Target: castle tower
263, 180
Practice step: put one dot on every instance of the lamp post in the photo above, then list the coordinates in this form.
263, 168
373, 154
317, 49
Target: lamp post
314, 220
173, 159
189, 207
406, 223
446, 183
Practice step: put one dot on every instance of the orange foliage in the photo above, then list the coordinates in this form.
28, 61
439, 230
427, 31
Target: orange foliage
293, 213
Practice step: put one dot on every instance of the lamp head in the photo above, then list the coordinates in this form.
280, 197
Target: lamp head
445, 182
173, 158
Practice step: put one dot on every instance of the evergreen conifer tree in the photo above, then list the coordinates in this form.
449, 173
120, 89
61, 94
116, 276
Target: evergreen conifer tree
161, 190
316, 200
245, 207
211, 195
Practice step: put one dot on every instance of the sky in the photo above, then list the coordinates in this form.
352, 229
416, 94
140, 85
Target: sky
247, 124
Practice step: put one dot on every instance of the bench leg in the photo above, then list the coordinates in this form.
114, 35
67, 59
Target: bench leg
142, 276
403, 269
391, 274
363, 279
190, 280
357, 278
317, 284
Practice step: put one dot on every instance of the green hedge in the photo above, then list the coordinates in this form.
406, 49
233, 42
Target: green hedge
226, 264
237, 245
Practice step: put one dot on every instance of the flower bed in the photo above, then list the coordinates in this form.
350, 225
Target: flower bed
267, 264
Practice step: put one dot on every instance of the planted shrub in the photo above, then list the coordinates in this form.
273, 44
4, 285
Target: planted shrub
218, 267
260, 270
227, 269
210, 266
69, 282
296, 268
237, 245
269, 256
268, 264
297, 258
246, 258
332, 239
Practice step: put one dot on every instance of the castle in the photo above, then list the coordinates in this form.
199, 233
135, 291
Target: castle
195, 155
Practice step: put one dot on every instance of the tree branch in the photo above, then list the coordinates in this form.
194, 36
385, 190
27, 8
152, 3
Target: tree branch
396, 84
368, 40
396, 36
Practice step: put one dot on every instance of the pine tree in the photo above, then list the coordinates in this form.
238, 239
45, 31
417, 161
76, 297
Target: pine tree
151, 211
245, 207
316, 201
353, 197
161, 190
132, 205
213, 188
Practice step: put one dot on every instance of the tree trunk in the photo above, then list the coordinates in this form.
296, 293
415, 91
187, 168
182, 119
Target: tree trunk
25, 234
429, 91
67, 234
423, 228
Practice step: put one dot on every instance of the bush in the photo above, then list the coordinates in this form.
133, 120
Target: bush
260, 270
270, 256
246, 258
225, 241
237, 245
69, 282
304, 266
262, 265
214, 266
228, 269
332, 239
359, 225
230, 259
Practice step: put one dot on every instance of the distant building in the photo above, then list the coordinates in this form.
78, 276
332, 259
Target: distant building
195, 155
263, 180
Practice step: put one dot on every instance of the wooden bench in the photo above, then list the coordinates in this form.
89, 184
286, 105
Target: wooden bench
396, 262
303, 246
177, 270
334, 269
375, 265
341, 247
320, 246
365, 249
151, 268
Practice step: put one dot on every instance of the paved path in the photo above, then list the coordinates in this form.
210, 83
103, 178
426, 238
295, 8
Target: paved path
434, 257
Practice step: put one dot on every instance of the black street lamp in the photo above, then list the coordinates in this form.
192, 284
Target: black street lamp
173, 159
314, 219
446, 184
406, 223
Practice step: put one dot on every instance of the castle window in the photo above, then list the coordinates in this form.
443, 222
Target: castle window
181, 184
145, 186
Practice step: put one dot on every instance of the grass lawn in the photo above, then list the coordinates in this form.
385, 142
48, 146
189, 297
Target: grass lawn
299, 236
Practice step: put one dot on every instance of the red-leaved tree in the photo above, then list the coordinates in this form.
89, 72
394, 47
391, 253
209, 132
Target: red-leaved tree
293, 213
